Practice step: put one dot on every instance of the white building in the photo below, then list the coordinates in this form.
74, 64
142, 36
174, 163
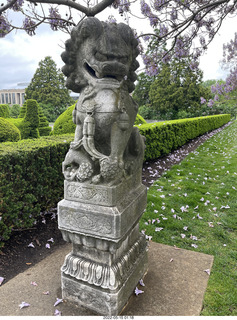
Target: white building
12, 96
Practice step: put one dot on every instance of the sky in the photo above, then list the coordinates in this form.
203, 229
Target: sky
20, 53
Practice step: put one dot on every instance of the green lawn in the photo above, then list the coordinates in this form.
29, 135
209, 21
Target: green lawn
194, 206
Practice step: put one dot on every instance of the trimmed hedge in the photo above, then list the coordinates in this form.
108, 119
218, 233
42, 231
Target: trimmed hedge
163, 137
37, 117
64, 123
31, 178
139, 120
4, 111
8, 131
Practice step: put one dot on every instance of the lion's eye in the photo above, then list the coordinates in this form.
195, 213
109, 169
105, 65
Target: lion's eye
100, 57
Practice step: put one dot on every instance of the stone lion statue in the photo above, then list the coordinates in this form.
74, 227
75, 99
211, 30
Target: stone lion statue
100, 63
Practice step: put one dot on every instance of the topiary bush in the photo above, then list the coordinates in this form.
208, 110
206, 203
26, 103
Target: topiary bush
4, 111
139, 120
64, 123
44, 128
22, 111
8, 131
30, 123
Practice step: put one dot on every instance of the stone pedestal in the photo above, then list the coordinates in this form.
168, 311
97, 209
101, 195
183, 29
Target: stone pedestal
103, 194
109, 254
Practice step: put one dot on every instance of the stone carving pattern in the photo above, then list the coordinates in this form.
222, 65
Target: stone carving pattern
85, 222
86, 193
100, 63
103, 275
97, 301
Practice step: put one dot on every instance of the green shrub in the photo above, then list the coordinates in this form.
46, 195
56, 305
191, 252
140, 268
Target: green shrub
8, 131
15, 110
31, 180
44, 128
4, 111
163, 137
139, 120
22, 111
64, 123
30, 123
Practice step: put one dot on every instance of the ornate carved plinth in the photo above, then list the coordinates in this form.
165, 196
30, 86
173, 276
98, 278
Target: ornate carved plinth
109, 254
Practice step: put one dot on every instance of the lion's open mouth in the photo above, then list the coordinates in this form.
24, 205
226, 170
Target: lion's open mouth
108, 73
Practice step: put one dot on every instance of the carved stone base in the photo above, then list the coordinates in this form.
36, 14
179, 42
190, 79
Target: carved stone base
101, 288
109, 254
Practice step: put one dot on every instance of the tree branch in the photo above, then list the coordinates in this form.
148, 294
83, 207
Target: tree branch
8, 5
72, 4
67, 3
100, 7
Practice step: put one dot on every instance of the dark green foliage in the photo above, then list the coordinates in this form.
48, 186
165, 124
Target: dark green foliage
4, 111
22, 111
15, 111
44, 128
177, 90
139, 120
31, 180
30, 124
48, 88
23, 125
64, 123
142, 89
8, 131
163, 137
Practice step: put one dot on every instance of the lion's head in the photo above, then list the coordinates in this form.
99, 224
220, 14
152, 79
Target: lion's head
100, 50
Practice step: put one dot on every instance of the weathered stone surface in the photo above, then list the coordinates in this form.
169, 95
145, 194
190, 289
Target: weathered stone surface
118, 287
103, 194
102, 221
107, 148
100, 194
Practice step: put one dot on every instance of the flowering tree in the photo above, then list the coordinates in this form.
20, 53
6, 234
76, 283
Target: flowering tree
180, 23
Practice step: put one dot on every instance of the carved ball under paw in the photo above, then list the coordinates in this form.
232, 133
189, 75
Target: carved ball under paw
110, 169
84, 172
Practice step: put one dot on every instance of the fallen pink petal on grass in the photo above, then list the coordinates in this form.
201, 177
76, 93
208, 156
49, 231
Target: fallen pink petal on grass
207, 271
210, 224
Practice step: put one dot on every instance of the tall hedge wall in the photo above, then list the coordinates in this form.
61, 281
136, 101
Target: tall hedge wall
30, 180
163, 137
31, 177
